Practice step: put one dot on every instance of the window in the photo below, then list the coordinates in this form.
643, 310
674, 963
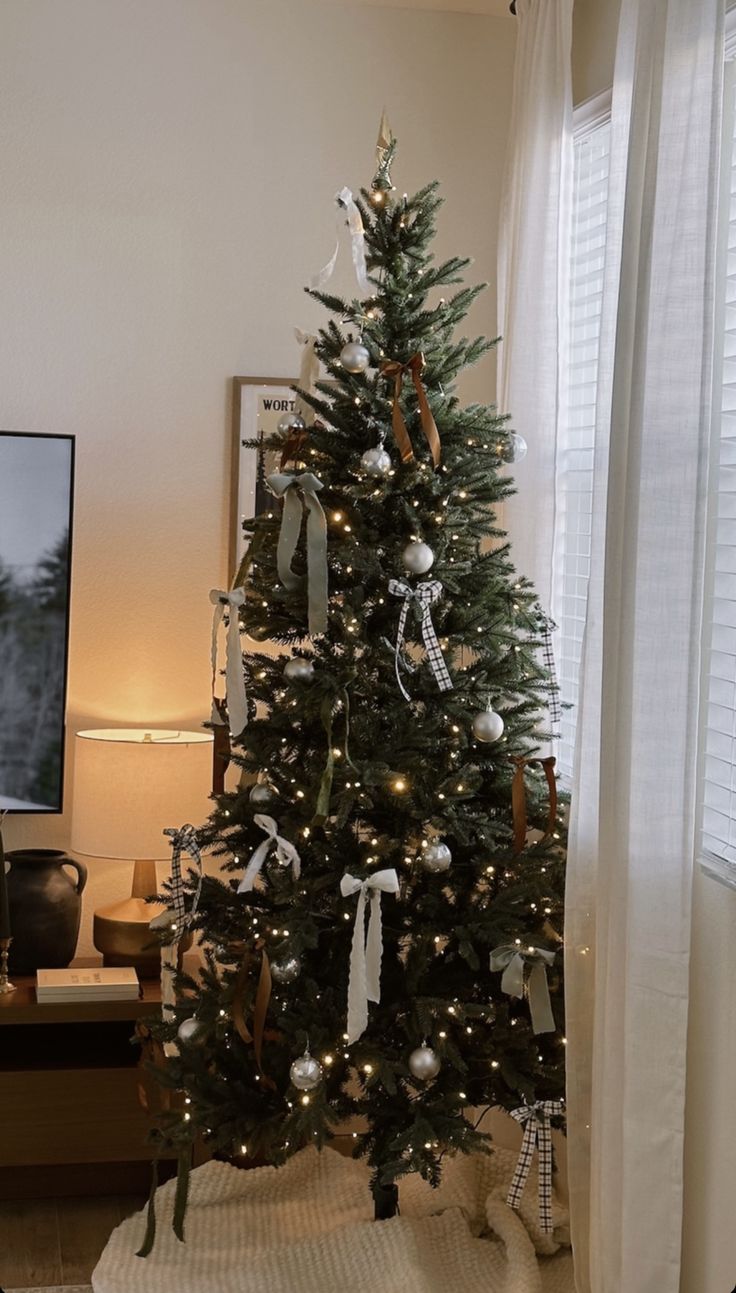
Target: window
576, 437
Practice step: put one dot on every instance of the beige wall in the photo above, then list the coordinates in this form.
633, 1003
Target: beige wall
595, 23
168, 174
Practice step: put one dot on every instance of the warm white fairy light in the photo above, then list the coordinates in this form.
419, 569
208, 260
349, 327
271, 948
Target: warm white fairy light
306, 1099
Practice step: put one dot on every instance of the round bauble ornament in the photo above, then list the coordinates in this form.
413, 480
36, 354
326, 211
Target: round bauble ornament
516, 448
305, 1073
299, 670
190, 1031
260, 793
376, 462
291, 422
424, 1063
355, 357
286, 971
418, 558
436, 856
487, 726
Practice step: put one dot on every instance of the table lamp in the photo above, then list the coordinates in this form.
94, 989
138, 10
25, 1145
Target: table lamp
129, 785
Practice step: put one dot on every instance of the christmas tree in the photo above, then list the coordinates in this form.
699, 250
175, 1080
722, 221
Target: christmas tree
391, 776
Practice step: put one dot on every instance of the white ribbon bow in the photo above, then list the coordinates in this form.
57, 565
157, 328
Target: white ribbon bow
286, 853
364, 983
308, 374
346, 204
424, 596
537, 1133
237, 704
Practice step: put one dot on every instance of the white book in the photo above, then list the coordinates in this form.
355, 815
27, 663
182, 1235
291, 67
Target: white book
96, 984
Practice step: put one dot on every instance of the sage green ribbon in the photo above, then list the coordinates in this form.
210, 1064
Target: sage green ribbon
322, 810
515, 960
299, 495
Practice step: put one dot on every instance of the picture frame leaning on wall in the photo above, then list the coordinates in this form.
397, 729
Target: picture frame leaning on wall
258, 404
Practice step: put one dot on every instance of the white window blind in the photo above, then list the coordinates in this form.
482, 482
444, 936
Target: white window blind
719, 752
576, 434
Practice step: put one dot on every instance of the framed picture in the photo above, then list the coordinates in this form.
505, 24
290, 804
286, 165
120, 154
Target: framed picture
36, 498
258, 405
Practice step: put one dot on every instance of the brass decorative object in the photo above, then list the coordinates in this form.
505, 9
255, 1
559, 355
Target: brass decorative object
5, 985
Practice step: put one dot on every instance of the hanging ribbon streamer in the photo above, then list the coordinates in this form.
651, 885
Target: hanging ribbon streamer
322, 810
535, 1119
548, 656
391, 368
286, 854
346, 209
237, 704
299, 493
423, 596
308, 374
260, 1008
221, 748
364, 983
518, 798
514, 960
173, 923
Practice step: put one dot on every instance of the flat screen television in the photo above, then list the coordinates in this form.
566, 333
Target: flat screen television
36, 497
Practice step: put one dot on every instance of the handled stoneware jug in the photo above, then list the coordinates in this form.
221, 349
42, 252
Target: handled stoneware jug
45, 908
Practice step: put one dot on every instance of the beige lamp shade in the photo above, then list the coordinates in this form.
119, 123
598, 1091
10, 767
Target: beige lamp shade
131, 783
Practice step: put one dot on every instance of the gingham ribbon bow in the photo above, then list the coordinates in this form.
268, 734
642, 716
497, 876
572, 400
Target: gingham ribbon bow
347, 211
237, 704
299, 494
554, 703
424, 596
176, 918
514, 960
364, 983
286, 853
535, 1119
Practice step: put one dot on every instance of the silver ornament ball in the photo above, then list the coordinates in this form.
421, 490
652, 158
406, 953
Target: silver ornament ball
305, 1073
376, 462
436, 856
488, 726
299, 670
291, 422
515, 449
286, 971
355, 357
424, 1063
418, 558
260, 793
190, 1031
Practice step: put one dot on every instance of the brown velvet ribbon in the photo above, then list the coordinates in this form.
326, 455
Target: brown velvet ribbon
391, 368
221, 750
260, 1010
518, 797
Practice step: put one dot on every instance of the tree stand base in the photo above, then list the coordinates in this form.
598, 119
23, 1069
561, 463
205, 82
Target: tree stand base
386, 1201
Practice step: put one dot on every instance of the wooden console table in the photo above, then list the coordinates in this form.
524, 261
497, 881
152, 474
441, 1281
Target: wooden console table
71, 1119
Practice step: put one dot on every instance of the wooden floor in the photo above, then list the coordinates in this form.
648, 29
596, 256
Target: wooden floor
57, 1241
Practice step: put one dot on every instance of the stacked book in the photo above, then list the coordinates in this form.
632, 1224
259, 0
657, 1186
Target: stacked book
88, 985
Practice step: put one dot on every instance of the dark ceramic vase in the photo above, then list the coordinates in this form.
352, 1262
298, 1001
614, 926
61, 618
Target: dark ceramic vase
45, 907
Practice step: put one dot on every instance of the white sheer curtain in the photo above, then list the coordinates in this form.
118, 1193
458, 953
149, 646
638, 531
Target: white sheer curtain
533, 258
632, 827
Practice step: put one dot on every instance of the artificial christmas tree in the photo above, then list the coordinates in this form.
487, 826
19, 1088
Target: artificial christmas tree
390, 768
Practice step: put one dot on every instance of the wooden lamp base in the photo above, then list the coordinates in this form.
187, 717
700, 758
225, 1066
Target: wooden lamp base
121, 929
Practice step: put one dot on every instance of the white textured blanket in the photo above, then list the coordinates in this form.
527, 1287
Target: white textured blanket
307, 1228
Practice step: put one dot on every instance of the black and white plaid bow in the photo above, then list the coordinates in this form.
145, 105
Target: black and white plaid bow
535, 1119
423, 596
548, 656
176, 918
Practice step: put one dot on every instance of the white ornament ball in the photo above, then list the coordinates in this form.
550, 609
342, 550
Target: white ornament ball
418, 558
306, 1073
299, 670
424, 1063
286, 971
488, 726
260, 793
516, 448
355, 357
190, 1031
376, 462
291, 422
436, 856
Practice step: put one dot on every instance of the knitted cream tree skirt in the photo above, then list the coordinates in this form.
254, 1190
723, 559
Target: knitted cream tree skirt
307, 1228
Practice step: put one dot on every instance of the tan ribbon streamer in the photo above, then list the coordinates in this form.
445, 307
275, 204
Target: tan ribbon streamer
514, 960
260, 1009
518, 797
391, 368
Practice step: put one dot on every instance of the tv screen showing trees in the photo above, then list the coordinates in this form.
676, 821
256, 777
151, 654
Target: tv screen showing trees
36, 491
